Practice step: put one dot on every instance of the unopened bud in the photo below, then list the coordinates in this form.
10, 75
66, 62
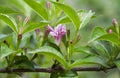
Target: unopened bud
48, 5
5, 42
46, 32
114, 22
37, 31
20, 34
110, 31
26, 20
19, 18
78, 37
71, 42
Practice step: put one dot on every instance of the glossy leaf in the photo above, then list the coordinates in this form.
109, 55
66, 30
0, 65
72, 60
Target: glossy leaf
89, 60
117, 63
33, 26
68, 73
38, 8
96, 33
100, 48
82, 49
110, 37
70, 12
51, 52
86, 19
10, 21
5, 51
6, 10
63, 20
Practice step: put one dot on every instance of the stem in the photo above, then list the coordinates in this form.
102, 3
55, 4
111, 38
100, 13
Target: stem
50, 70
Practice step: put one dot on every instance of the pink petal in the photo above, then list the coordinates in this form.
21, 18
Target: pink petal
50, 28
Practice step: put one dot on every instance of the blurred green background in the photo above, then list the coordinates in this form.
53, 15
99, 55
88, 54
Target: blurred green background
105, 11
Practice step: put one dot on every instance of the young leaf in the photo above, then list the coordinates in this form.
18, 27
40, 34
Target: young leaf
110, 37
51, 52
33, 26
117, 63
10, 21
96, 33
89, 60
86, 19
63, 20
5, 51
70, 12
83, 50
38, 8
68, 73
6, 10
100, 48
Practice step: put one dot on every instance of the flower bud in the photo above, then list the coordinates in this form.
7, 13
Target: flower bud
78, 37
37, 31
114, 22
26, 20
110, 31
48, 4
71, 42
20, 34
19, 18
46, 32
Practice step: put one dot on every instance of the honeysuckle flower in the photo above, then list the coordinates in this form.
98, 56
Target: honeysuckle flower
57, 33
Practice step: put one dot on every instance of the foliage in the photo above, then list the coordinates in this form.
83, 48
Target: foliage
30, 40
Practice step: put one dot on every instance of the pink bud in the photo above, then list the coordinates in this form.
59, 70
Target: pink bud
110, 31
48, 5
114, 21
37, 31
26, 20
19, 18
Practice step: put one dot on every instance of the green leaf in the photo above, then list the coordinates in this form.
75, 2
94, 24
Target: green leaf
10, 21
38, 8
23, 62
68, 73
70, 12
100, 48
96, 33
117, 63
87, 17
51, 52
6, 10
33, 26
2, 37
89, 60
5, 51
83, 50
63, 20
110, 37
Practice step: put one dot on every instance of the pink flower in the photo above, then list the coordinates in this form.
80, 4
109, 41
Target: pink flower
57, 32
